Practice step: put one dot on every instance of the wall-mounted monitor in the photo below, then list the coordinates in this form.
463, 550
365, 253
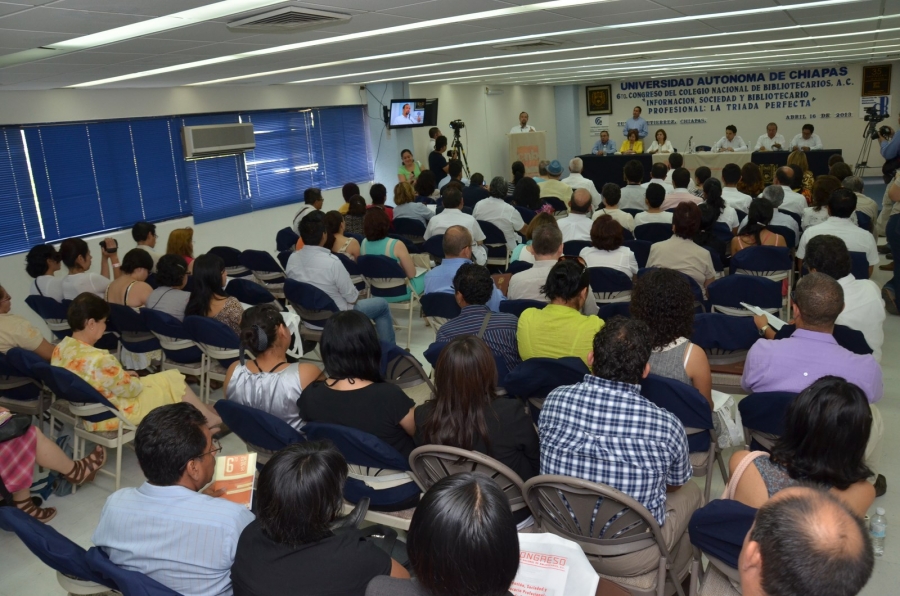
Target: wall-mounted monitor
407, 113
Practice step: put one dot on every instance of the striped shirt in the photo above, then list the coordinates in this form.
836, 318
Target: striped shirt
183, 539
607, 432
500, 335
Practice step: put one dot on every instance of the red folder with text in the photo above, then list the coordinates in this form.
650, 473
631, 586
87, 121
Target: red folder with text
235, 474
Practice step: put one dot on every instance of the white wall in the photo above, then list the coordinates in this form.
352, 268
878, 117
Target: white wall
836, 133
488, 119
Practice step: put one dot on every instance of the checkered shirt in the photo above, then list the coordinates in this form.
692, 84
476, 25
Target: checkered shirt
605, 431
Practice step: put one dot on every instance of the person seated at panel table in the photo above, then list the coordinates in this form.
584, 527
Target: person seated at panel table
633, 145
604, 146
661, 144
807, 140
730, 142
771, 141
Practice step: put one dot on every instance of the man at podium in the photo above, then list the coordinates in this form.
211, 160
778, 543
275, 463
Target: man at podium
523, 125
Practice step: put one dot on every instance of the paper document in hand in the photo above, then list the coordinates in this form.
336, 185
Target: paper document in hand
774, 321
235, 474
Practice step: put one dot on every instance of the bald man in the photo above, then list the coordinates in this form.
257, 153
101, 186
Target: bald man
805, 541
577, 226
457, 247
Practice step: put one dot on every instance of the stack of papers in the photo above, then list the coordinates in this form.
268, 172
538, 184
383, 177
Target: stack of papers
774, 321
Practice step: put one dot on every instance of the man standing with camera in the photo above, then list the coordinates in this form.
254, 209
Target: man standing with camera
890, 151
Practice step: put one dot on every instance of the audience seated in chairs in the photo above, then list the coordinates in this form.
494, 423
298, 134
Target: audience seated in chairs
817, 212
680, 253
131, 288
354, 393
607, 250
755, 232
475, 191
576, 180
335, 240
525, 252
76, 255
474, 286
612, 196
577, 226
169, 297
378, 243
293, 540
41, 262
559, 329
316, 265
349, 191
356, 213
167, 528
268, 382
452, 215
552, 186
681, 178
826, 429
646, 457
731, 177
655, 194
712, 198
466, 412
864, 204
181, 242
751, 183
17, 332
19, 455
145, 236
497, 211
426, 188
633, 193
312, 202
378, 194
863, 306
664, 301
774, 194
841, 206
457, 245
794, 202
701, 175
209, 298
527, 194
406, 206
518, 174
485, 563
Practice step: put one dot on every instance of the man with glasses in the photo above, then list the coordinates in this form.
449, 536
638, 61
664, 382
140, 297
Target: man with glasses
458, 246
167, 528
144, 233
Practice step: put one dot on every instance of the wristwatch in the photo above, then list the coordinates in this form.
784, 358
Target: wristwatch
762, 331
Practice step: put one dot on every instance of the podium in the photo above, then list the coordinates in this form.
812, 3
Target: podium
529, 148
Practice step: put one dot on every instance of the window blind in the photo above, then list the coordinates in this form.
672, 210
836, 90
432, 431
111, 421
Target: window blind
19, 224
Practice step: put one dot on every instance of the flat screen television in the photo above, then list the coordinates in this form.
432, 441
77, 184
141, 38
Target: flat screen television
411, 113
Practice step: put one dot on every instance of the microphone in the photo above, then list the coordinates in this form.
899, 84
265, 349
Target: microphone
690, 144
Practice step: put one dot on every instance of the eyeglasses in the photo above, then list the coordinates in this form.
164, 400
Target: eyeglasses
217, 447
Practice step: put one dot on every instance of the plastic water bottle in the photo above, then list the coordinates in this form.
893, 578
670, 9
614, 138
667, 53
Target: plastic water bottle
878, 530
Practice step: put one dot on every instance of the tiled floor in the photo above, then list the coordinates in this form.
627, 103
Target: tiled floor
21, 574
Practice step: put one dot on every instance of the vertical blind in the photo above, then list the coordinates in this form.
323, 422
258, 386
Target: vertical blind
94, 176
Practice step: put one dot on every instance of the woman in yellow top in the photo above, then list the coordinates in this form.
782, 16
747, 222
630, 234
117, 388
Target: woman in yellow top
633, 144
134, 396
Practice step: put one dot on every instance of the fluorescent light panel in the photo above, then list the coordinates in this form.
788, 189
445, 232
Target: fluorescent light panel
552, 5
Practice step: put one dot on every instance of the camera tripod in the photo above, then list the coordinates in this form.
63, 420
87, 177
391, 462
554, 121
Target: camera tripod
862, 162
457, 148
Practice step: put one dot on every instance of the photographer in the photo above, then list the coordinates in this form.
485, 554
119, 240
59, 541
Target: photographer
890, 150
437, 163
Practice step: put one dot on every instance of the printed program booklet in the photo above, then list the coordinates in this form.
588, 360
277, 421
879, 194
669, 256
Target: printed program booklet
235, 473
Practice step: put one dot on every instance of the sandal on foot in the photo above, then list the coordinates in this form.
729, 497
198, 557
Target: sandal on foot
85, 469
44, 514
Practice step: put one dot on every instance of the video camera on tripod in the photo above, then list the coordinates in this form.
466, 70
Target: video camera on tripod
873, 118
456, 147
457, 125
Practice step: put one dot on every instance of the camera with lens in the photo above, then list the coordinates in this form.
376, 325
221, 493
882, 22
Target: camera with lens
457, 125
873, 118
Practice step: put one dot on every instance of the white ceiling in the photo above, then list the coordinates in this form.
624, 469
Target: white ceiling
660, 49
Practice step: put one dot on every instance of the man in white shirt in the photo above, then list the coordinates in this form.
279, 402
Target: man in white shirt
407, 116
317, 266
612, 194
167, 528
863, 203
658, 176
144, 234
806, 140
731, 175
497, 211
841, 205
655, 195
633, 192
676, 160
771, 141
863, 306
553, 186
681, 178
433, 133
793, 201
775, 195
575, 180
730, 142
577, 226
523, 125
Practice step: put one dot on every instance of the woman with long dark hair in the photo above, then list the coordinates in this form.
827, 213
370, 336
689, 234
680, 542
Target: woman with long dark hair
751, 182
336, 241
663, 299
209, 298
467, 414
291, 547
169, 296
712, 196
41, 262
462, 541
826, 430
755, 233
821, 193
518, 173
354, 393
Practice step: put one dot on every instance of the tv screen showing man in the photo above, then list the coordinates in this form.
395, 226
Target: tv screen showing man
407, 113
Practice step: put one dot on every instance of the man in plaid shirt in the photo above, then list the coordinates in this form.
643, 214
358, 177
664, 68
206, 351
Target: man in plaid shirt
603, 430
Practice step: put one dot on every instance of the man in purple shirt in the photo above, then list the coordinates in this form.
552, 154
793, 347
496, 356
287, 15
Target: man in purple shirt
811, 353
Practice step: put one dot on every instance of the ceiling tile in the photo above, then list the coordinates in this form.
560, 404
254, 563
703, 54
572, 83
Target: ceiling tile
154, 8
70, 22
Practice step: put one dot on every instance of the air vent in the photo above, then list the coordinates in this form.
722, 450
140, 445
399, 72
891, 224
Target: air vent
287, 19
527, 45
217, 139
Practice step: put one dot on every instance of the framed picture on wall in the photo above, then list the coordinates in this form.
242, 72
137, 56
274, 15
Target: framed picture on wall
599, 100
